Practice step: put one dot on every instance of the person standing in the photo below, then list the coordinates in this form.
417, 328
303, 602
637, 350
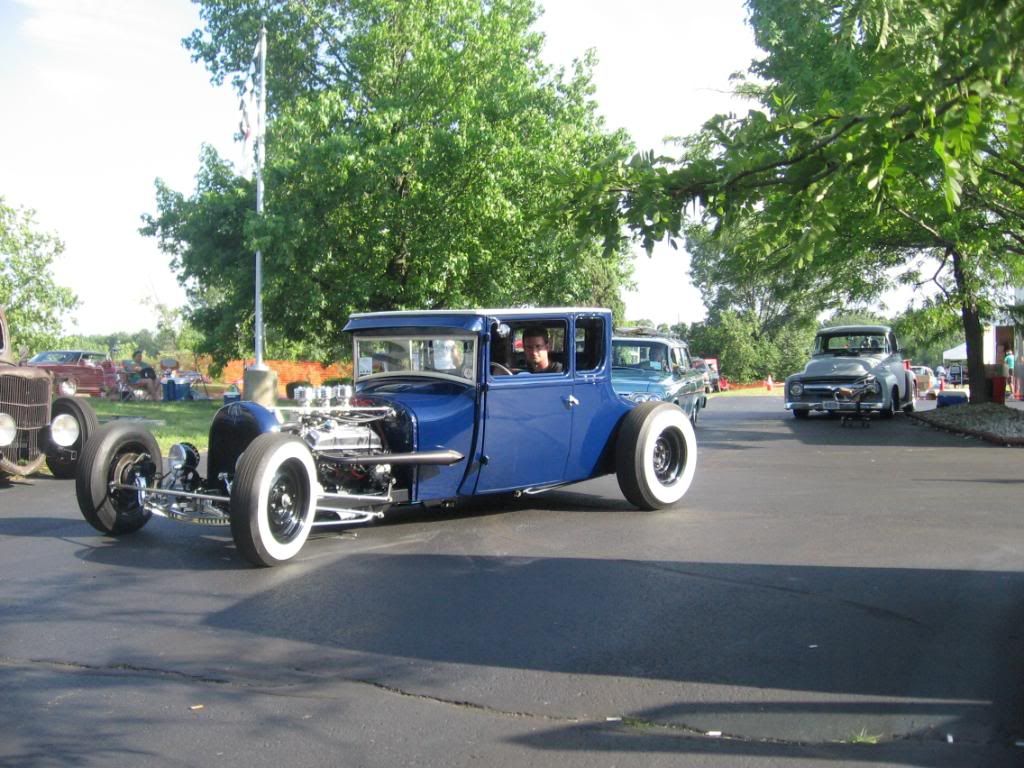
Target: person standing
1008, 362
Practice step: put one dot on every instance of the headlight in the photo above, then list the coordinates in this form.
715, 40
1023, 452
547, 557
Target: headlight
643, 397
183, 455
875, 386
64, 430
796, 388
8, 429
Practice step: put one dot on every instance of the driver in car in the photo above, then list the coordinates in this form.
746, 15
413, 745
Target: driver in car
536, 349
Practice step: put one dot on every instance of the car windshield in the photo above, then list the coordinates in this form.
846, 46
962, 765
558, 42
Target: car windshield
646, 356
851, 344
404, 354
54, 357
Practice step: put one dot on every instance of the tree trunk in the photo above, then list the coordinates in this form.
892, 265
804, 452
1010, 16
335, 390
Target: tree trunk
974, 332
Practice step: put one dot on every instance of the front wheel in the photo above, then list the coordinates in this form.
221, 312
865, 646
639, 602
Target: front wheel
655, 455
117, 454
63, 459
911, 404
889, 409
273, 499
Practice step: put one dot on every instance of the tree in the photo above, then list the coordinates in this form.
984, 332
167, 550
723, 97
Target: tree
420, 155
34, 304
888, 135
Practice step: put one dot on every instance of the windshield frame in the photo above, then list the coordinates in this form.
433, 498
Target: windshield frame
405, 352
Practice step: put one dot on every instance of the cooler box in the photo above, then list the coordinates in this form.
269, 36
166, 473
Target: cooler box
175, 389
950, 398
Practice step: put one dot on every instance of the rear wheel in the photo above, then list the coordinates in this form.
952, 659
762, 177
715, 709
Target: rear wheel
63, 460
273, 499
119, 454
655, 455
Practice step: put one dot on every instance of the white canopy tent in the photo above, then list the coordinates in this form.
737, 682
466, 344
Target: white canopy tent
956, 353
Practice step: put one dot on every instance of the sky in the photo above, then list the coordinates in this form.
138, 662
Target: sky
100, 99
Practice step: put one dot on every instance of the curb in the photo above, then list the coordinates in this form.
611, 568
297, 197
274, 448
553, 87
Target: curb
989, 437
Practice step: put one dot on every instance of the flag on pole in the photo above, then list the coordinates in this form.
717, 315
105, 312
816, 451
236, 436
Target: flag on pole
250, 125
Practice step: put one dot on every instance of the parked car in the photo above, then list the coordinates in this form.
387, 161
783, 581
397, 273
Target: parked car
78, 372
32, 428
926, 379
853, 368
648, 367
957, 375
443, 407
701, 367
714, 378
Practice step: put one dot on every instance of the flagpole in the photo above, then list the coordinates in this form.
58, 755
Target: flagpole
261, 111
260, 380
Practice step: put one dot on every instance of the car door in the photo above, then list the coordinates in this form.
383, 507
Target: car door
527, 422
597, 410
90, 375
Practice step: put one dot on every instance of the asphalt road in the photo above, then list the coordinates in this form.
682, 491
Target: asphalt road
824, 596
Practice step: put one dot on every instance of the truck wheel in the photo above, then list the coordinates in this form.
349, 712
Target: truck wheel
914, 394
63, 460
889, 410
273, 499
117, 453
655, 455
800, 413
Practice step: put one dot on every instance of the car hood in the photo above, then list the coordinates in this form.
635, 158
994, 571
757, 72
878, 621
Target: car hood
840, 367
623, 383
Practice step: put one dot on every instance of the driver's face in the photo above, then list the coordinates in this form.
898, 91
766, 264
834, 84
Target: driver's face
536, 351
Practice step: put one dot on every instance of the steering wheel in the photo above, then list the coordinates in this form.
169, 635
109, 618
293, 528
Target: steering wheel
499, 368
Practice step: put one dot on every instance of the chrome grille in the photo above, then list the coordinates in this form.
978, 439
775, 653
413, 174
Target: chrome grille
27, 400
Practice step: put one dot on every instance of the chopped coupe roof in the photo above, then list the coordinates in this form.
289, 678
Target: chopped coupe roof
474, 320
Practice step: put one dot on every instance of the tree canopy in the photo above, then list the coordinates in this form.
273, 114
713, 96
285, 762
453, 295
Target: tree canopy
33, 302
419, 155
886, 144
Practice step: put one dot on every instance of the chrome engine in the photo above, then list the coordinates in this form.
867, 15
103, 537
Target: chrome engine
354, 476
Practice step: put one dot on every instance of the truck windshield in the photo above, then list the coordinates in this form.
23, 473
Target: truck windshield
640, 355
405, 354
851, 344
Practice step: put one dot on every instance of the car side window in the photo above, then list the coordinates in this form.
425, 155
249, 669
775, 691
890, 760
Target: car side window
532, 346
540, 347
589, 343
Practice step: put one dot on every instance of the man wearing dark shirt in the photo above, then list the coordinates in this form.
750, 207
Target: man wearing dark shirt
535, 347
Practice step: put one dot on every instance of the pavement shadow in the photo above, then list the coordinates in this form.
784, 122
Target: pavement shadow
940, 648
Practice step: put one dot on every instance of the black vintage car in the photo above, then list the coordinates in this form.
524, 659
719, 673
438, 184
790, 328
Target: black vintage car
32, 428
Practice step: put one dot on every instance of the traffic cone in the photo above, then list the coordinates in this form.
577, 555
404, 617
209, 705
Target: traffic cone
768, 383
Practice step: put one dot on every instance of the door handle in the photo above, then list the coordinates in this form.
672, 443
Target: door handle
571, 401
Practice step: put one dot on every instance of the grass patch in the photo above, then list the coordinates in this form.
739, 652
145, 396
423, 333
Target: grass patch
863, 737
184, 421
750, 391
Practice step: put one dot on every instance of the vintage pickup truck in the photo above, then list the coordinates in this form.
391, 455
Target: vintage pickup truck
853, 368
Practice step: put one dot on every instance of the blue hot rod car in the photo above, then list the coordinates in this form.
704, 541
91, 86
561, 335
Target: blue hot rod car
445, 404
